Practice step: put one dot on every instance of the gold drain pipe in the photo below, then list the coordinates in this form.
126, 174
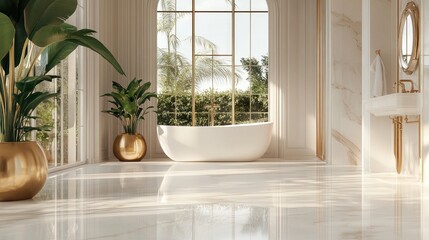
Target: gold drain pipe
397, 129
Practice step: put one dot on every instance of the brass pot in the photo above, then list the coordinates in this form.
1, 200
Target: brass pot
129, 147
23, 170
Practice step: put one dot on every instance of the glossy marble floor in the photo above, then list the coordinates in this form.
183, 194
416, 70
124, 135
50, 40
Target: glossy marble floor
257, 201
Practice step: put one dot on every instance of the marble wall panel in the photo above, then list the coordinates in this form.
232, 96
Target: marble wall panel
346, 85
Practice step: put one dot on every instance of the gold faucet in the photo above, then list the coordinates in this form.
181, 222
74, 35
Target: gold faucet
403, 88
212, 110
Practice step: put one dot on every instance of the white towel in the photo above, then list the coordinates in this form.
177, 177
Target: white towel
379, 86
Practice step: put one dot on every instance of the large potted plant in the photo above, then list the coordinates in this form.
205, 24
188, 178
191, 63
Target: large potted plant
129, 107
29, 30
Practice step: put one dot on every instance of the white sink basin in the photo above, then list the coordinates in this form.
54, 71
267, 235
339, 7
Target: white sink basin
397, 104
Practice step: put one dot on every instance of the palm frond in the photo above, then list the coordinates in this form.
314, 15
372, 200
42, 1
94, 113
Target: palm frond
204, 43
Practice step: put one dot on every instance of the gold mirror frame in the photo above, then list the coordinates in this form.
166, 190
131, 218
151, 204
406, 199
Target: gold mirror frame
410, 10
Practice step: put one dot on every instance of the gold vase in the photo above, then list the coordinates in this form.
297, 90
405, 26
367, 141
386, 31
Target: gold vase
23, 170
129, 147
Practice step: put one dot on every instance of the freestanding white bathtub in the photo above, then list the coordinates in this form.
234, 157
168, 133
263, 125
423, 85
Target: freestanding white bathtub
246, 142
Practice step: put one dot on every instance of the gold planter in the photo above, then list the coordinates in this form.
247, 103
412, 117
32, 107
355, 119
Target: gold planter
23, 170
129, 147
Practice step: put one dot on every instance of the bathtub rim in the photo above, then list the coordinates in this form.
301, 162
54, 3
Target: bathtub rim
222, 126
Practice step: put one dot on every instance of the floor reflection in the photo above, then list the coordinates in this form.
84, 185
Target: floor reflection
165, 200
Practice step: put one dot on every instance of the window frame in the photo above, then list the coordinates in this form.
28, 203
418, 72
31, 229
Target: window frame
233, 55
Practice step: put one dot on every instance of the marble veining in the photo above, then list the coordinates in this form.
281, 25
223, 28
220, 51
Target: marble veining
353, 151
355, 27
259, 200
346, 82
341, 87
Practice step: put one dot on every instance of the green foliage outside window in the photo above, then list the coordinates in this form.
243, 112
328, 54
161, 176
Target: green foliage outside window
175, 110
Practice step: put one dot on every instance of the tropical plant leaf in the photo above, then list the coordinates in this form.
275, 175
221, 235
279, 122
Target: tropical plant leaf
26, 129
34, 100
13, 8
22, 131
115, 112
5, 64
95, 45
52, 34
121, 99
42, 13
145, 112
128, 103
33, 117
30, 83
204, 43
168, 5
6, 36
142, 89
106, 95
20, 37
133, 87
85, 32
57, 52
171, 59
131, 108
6, 7
114, 103
147, 96
118, 87
20, 33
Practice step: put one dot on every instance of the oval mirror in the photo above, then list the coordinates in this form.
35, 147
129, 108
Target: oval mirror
409, 38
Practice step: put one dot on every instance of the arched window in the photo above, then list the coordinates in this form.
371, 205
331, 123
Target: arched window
212, 62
